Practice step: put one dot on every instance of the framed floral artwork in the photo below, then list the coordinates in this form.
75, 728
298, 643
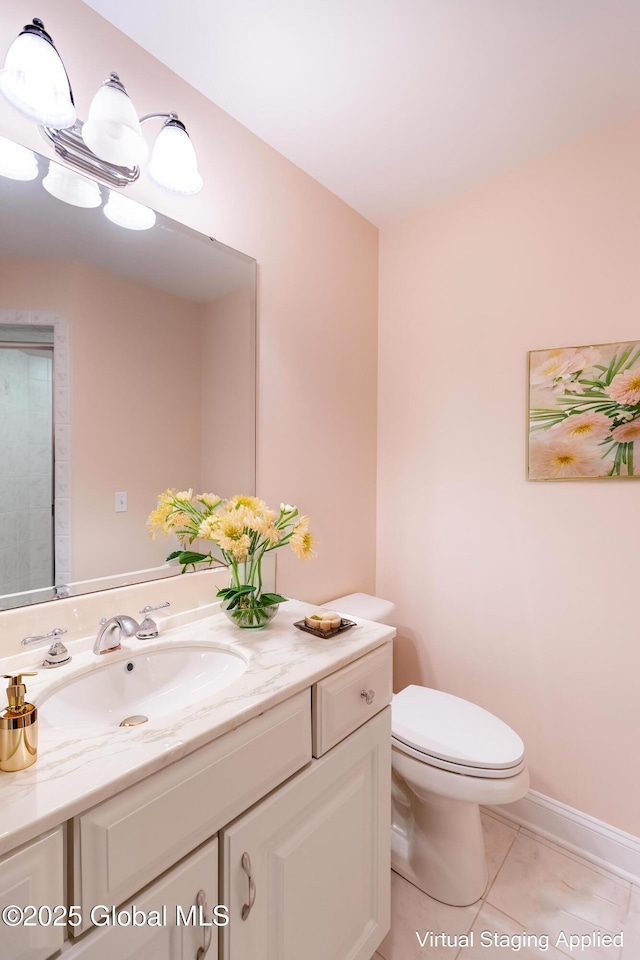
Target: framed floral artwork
584, 412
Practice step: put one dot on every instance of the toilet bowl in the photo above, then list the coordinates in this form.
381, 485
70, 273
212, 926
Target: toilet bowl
448, 757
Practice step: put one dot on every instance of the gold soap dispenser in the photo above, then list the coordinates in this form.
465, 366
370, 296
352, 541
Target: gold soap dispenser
18, 727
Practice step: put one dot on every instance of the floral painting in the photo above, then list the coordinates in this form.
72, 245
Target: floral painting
584, 412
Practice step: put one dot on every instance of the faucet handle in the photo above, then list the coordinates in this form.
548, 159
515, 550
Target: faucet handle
58, 653
149, 628
52, 637
160, 606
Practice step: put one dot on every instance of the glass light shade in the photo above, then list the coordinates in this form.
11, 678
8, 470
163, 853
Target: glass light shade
128, 213
71, 187
112, 130
35, 83
16, 162
174, 165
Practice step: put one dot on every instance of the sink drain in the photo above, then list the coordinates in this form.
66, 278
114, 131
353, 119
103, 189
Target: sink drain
133, 721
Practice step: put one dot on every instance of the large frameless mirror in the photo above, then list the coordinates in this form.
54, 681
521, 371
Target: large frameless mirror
125, 353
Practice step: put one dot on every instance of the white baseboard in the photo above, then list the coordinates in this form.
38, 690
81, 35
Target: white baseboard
592, 839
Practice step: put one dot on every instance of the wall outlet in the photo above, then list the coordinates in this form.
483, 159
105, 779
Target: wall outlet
121, 503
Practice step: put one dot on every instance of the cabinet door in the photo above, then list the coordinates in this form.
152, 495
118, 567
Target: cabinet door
306, 873
178, 934
32, 877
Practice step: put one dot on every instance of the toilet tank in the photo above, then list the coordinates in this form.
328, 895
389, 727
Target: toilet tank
363, 605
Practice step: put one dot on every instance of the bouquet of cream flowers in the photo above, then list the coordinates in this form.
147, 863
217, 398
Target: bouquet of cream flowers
244, 529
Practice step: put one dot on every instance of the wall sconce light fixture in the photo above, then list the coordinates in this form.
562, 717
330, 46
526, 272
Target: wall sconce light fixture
110, 144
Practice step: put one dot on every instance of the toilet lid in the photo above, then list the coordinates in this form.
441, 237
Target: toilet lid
448, 728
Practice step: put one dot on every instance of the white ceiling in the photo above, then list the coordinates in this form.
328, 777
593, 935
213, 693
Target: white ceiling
393, 104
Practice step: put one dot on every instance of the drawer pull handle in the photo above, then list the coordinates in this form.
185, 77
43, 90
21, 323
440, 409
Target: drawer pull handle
201, 903
368, 695
246, 866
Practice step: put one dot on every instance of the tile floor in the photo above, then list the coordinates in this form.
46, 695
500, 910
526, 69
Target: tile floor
538, 896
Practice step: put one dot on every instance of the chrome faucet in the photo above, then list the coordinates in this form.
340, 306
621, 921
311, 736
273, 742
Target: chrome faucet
112, 631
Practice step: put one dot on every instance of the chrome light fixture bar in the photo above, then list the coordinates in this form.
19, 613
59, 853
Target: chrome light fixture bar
70, 147
109, 145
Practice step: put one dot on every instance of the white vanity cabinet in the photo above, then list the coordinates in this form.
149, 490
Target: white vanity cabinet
283, 821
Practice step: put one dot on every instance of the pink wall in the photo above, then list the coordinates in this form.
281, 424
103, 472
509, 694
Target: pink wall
520, 596
317, 294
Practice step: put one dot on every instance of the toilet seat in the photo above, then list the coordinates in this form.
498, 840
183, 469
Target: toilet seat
464, 769
445, 731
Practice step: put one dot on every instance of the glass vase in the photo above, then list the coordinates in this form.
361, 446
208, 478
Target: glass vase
248, 612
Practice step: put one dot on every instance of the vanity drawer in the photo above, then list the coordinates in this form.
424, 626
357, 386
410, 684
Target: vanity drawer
340, 704
122, 844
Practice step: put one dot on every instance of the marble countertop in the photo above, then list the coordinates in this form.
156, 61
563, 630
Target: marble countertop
77, 769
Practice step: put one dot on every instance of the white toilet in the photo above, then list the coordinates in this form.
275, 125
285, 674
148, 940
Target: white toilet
448, 757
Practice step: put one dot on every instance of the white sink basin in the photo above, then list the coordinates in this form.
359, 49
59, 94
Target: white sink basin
149, 685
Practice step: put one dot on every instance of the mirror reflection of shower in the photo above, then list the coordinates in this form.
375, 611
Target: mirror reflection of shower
26, 458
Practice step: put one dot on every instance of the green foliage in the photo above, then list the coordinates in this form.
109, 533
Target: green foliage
234, 595
189, 558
